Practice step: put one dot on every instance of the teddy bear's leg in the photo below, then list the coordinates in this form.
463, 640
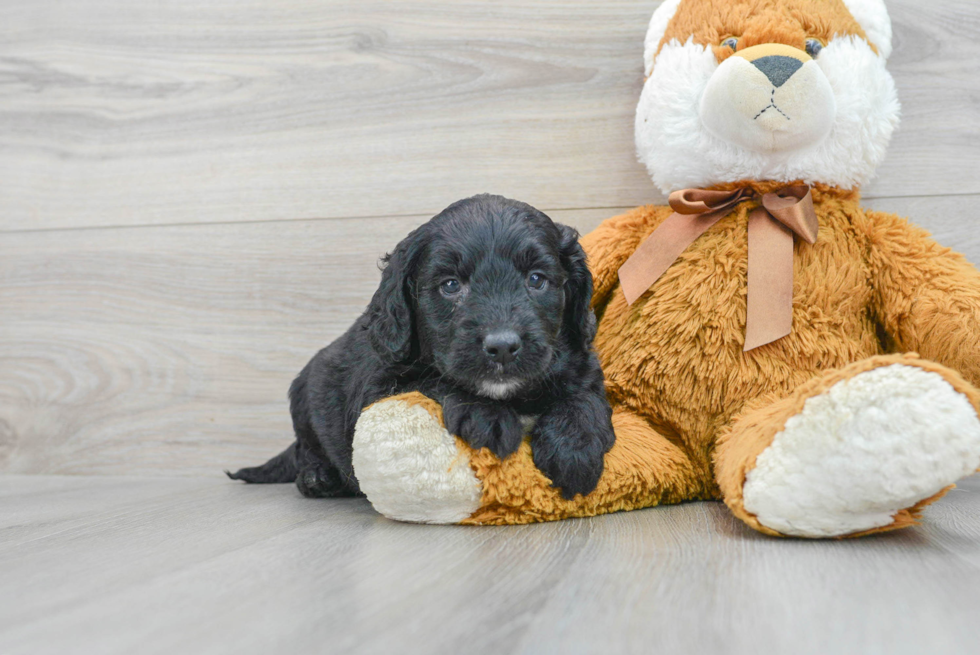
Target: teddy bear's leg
855, 450
409, 466
412, 469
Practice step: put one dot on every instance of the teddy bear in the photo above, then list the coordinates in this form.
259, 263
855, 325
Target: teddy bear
765, 340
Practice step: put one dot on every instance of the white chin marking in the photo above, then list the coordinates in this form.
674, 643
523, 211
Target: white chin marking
863, 450
409, 467
499, 390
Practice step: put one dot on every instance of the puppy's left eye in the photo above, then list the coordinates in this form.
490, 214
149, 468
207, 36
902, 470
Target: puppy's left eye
537, 281
813, 47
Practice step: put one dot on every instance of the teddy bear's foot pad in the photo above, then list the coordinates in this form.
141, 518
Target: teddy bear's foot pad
862, 451
409, 466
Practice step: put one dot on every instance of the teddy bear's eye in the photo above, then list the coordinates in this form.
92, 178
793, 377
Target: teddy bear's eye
731, 42
813, 47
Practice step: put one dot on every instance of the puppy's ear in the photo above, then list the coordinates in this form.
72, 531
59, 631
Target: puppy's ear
392, 324
578, 321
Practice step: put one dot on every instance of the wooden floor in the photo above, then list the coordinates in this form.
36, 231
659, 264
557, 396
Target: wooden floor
193, 198
194, 194
127, 565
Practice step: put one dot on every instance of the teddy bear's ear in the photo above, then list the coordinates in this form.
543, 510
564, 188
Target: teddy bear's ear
655, 33
873, 18
870, 14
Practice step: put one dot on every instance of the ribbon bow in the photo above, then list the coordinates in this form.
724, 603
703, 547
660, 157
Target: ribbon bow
789, 210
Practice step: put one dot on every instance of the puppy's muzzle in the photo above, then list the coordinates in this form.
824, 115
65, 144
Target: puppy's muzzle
502, 346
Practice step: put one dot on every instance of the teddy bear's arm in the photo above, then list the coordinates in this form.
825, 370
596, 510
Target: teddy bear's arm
610, 245
926, 297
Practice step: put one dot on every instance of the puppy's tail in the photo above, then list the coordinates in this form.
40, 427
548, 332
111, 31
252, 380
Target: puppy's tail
281, 468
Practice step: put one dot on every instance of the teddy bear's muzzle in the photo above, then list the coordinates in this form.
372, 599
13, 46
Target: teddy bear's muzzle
769, 98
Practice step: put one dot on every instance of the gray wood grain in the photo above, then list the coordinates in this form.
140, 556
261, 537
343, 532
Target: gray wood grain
122, 113
170, 349
950, 219
209, 566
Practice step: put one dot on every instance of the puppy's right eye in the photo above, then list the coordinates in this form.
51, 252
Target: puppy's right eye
450, 287
731, 42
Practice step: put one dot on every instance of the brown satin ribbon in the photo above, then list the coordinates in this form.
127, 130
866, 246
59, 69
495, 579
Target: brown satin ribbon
771, 227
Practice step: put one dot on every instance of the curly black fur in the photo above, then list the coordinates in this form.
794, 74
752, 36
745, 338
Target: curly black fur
485, 308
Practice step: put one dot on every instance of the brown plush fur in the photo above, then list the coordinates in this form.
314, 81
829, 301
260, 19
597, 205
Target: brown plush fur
755, 22
691, 409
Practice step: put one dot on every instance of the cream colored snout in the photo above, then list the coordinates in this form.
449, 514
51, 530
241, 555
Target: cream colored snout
769, 98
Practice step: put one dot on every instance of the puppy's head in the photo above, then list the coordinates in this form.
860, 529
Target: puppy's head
490, 292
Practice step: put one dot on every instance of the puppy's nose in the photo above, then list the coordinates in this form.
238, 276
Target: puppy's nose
778, 68
502, 346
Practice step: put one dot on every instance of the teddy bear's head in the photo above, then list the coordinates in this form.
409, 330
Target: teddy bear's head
780, 90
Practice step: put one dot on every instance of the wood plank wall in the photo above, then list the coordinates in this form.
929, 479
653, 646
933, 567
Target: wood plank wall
193, 195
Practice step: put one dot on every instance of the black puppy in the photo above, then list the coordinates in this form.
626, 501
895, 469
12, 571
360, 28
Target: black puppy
485, 309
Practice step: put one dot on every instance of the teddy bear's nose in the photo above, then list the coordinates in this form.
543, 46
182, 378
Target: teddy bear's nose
777, 68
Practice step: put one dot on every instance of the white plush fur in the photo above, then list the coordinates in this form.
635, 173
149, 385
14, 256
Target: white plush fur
679, 151
499, 390
872, 16
409, 467
863, 450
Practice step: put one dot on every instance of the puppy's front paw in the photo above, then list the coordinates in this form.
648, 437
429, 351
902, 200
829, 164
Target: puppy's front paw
569, 449
484, 425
